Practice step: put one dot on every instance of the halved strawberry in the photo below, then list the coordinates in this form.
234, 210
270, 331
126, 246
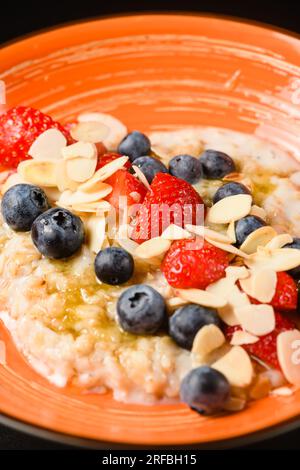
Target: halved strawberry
265, 348
19, 127
125, 185
105, 158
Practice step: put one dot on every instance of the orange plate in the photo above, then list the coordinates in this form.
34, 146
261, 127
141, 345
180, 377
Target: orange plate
152, 72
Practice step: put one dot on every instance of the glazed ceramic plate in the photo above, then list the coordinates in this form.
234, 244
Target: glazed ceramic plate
153, 72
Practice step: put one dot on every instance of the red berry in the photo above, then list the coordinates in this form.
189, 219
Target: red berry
171, 200
19, 127
125, 185
106, 158
265, 348
194, 263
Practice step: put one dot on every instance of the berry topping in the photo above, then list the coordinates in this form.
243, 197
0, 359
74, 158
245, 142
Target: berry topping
265, 348
19, 128
230, 189
141, 310
194, 264
125, 186
247, 225
114, 266
205, 390
171, 200
106, 158
150, 167
187, 168
185, 323
295, 244
22, 204
135, 145
216, 164
57, 233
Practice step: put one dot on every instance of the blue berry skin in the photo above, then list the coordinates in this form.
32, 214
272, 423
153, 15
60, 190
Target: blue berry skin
216, 164
141, 310
150, 167
187, 168
185, 323
205, 390
295, 244
22, 204
57, 233
245, 226
135, 145
114, 266
230, 189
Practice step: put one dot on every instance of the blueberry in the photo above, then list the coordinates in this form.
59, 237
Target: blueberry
187, 168
114, 266
247, 225
22, 204
185, 323
205, 390
295, 244
135, 145
216, 164
150, 166
230, 189
57, 233
141, 310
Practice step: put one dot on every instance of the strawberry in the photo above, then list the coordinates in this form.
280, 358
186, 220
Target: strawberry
157, 212
19, 127
194, 263
106, 158
265, 348
126, 185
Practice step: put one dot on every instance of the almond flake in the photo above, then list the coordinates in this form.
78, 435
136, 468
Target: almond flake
242, 337
95, 228
258, 212
279, 241
97, 207
236, 366
70, 198
48, 145
174, 232
42, 173
237, 272
208, 338
229, 248
201, 297
81, 169
235, 299
151, 248
128, 245
282, 392
103, 173
259, 237
261, 285
12, 180
175, 302
140, 175
91, 131
63, 181
288, 353
116, 129
206, 232
235, 404
231, 232
80, 149
256, 319
281, 259
229, 209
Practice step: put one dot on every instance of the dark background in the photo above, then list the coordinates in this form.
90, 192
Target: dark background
18, 18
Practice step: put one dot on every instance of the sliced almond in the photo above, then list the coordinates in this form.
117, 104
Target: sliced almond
70, 198
231, 232
80, 149
95, 229
282, 392
102, 174
288, 353
116, 129
258, 212
140, 175
229, 209
259, 237
151, 248
91, 131
48, 145
175, 302
237, 272
201, 297
206, 232
12, 180
41, 173
63, 181
241, 337
229, 248
174, 232
96, 207
256, 319
279, 241
281, 259
208, 338
261, 285
81, 169
128, 245
236, 366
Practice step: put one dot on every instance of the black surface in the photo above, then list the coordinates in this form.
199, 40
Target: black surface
18, 18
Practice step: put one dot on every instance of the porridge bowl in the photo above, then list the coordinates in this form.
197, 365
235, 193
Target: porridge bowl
190, 83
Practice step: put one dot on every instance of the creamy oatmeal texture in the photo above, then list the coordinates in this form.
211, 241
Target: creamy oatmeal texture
63, 320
